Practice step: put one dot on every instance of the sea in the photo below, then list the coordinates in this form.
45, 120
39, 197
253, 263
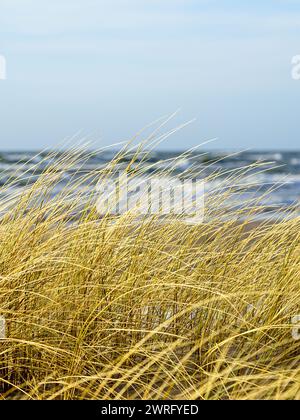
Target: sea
273, 177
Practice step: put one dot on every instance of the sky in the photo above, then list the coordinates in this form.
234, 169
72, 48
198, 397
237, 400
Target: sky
103, 70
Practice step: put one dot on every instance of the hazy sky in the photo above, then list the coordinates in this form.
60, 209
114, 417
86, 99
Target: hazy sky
108, 68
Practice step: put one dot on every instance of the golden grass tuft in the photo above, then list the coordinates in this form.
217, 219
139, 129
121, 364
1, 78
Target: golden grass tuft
115, 308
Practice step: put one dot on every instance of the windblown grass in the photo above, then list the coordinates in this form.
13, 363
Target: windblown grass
106, 307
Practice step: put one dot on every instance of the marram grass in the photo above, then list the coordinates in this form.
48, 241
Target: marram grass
126, 308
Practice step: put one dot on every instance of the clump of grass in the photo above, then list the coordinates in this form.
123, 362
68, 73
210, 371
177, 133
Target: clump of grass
119, 307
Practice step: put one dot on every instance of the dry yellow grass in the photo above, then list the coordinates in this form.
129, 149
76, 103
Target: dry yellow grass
110, 308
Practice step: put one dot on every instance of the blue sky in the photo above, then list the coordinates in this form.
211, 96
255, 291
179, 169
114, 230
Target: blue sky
108, 68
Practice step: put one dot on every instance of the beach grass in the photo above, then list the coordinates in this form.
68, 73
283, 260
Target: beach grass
104, 307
